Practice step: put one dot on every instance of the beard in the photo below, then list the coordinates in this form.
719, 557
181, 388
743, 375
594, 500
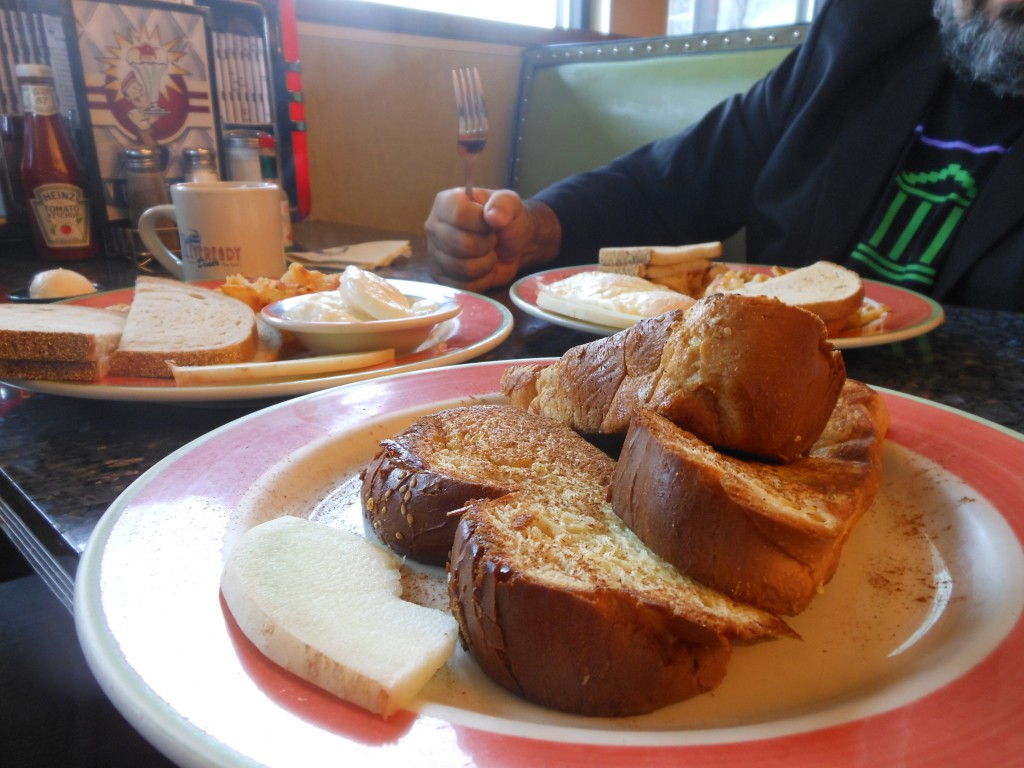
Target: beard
983, 49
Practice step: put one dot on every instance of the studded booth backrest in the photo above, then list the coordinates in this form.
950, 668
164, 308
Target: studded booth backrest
583, 105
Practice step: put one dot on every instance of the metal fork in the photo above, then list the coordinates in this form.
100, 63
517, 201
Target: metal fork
469, 101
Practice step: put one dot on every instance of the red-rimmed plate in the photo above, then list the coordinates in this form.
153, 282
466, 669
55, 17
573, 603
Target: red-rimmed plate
911, 314
913, 656
481, 325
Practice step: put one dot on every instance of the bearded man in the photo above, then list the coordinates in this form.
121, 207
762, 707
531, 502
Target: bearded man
889, 141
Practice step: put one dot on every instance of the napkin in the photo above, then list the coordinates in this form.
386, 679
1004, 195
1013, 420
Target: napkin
367, 255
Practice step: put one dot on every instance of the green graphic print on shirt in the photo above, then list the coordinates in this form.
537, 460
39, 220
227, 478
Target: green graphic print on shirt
918, 224
911, 231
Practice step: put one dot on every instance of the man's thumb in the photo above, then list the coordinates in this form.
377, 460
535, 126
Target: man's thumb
502, 207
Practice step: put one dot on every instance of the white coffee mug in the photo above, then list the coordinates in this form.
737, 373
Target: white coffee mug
225, 228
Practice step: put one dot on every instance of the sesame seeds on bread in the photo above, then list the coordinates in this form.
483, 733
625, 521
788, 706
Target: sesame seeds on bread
538, 560
444, 460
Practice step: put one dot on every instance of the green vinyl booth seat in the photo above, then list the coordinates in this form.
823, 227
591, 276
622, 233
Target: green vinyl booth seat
582, 105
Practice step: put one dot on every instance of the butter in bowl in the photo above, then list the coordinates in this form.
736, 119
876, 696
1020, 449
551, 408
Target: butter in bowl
366, 312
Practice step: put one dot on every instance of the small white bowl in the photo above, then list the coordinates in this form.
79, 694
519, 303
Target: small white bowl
337, 337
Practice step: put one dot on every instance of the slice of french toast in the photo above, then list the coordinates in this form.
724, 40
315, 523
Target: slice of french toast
556, 598
413, 487
559, 602
766, 534
744, 373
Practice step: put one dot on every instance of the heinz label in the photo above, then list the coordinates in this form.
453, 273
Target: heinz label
62, 211
41, 99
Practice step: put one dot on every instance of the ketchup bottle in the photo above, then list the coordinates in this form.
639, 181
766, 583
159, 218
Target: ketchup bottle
53, 179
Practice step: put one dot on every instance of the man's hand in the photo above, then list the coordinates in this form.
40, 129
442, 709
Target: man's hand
482, 244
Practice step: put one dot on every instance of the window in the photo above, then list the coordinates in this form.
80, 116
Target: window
534, 22
548, 14
694, 16
522, 22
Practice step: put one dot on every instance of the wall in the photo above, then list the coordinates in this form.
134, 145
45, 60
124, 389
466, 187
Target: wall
639, 18
381, 121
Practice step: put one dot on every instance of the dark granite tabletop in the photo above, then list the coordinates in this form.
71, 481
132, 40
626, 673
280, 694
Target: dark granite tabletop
64, 460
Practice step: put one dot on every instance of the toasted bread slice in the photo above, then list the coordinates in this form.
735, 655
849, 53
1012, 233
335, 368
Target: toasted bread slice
770, 535
682, 268
436, 466
746, 373
828, 290
550, 566
63, 332
656, 273
171, 321
54, 370
57, 341
432, 469
673, 256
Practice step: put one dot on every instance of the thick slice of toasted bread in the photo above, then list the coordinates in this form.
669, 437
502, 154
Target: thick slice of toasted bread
560, 602
828, 290
766, 534
185, 324
746, 373
444, 460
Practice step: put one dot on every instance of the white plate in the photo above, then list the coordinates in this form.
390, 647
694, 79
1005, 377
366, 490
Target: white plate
913, 656
911, 314
338, 337
481, 325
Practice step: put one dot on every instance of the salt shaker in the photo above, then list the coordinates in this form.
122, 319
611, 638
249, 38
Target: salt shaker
200, 164
243, 151
144, 181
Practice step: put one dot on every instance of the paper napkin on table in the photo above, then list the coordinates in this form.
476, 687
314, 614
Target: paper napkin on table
367, 255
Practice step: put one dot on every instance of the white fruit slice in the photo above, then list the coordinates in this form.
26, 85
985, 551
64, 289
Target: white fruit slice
373, 295
325, 604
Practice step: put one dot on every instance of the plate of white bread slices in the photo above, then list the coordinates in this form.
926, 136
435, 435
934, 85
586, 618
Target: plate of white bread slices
631, 283
175, 342
615, 557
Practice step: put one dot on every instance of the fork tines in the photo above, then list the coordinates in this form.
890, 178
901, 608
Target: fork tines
469, 100
472, 111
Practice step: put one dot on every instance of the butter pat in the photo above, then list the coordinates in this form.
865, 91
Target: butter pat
59, 284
